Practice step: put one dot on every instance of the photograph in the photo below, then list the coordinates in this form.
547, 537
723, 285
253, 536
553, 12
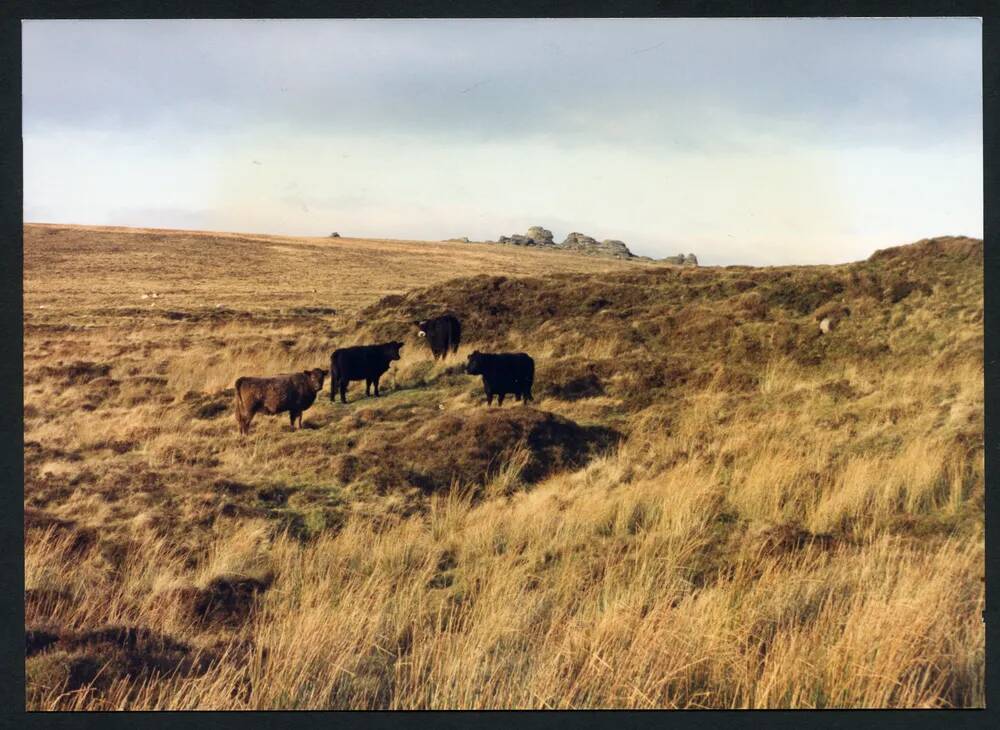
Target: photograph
503, 364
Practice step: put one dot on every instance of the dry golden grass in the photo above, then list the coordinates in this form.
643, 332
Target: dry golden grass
788, 520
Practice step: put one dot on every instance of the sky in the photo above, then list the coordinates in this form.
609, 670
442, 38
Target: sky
744, 141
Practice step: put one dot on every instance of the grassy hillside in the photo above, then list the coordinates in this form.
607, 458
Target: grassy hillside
710, 503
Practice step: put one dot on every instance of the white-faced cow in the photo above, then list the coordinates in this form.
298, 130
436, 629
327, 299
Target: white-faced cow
442, 334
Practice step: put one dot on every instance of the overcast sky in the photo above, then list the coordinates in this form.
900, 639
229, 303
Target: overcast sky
744, 141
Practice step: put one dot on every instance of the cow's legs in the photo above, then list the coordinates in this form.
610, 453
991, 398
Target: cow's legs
489, 397
300, 420
343, 391
500, 396
376, 387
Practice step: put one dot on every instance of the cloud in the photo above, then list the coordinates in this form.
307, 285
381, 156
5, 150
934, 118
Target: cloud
503, 78
744, 141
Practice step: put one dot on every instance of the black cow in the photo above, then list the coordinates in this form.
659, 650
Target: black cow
293, 393
503, 373
442, 333
363, 362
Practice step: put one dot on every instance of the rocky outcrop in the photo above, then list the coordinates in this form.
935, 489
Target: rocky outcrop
616, 248
682, 260
536, 236
578, 242
516, 240
582, 243
590, 246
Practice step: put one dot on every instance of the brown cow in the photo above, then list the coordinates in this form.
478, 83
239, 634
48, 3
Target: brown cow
293, 393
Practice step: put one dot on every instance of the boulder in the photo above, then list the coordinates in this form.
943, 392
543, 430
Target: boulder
516, 240
616, 248
541, 236
578, 241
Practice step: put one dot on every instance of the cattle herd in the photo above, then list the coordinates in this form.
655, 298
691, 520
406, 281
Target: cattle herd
504, 373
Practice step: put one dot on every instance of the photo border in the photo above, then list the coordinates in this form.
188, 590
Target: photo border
12, 696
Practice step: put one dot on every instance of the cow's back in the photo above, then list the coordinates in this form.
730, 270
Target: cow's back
360, 361
279, 392
455, 330
509, 368
270, 395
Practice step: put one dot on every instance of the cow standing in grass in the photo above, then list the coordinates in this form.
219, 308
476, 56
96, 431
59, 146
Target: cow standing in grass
442, 334
293, 393
363, 362
503, 373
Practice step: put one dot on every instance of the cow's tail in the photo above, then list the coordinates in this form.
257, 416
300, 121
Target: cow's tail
239, 403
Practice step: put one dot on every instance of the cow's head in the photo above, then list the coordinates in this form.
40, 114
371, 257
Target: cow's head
421, 327
391, 349
473, 365
315, 378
